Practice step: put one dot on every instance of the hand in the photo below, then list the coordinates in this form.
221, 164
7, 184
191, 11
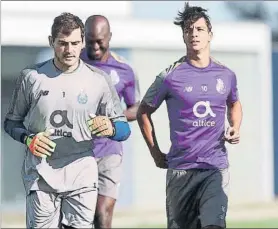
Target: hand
232, 135
40, 145
101, 126
159, 158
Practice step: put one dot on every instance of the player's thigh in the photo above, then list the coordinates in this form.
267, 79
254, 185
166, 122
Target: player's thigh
78, 208
181, 199
214, 199
43, 210
109, 175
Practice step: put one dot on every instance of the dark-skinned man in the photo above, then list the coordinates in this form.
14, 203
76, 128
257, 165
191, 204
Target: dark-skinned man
108, 153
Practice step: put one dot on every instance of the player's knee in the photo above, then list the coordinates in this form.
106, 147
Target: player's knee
213, 227
105, 210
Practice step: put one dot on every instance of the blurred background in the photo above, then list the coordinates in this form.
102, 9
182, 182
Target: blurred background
245, 40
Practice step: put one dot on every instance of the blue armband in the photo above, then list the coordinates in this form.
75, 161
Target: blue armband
122, 131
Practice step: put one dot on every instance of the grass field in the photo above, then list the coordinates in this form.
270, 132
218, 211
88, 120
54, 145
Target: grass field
270, 223
263, 219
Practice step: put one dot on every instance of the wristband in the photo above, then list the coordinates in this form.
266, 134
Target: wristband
28, 139
114, 129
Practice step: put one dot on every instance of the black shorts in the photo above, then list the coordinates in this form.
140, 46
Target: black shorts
196, 198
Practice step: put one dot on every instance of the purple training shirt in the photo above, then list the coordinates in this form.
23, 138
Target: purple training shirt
127, 87
196, 101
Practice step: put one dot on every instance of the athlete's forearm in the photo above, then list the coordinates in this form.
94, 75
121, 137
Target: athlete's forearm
16, 130
235, 115
146, 126
131, 112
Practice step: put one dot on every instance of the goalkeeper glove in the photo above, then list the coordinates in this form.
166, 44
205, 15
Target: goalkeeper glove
101, 126
40, 145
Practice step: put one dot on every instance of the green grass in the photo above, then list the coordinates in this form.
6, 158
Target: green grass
270, 223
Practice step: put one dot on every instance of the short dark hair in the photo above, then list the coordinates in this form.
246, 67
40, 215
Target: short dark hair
65, 23
190, 15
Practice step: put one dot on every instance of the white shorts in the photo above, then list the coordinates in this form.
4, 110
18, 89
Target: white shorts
51, 210
109, 175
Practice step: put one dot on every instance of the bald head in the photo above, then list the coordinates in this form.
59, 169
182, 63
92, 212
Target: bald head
97, 37
97, 21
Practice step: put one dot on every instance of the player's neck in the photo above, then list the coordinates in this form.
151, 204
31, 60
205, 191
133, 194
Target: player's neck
105, 57
65, 68
199, 59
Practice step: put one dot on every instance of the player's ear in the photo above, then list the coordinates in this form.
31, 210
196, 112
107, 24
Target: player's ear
183, 35
50, 41
110, 36
210, 35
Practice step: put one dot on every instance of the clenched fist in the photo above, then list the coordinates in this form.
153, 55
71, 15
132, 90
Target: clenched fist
40, 145
101, 126
232, 135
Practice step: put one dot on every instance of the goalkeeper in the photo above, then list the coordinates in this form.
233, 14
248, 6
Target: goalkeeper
64, 103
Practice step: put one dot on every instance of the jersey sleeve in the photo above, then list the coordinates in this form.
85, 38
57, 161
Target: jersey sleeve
110, 104
233, 95
132, 91
20, 101
157, 92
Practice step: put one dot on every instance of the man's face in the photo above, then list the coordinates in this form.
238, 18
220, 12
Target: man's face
97, 41
67, 49
197, 36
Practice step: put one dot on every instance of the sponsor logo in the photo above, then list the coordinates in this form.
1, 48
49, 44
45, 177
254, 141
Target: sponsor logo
201, 110
59, 119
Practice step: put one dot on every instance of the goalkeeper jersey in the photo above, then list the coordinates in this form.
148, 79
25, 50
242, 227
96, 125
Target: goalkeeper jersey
51, 99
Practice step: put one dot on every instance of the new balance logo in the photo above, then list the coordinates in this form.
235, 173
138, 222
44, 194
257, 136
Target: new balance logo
188, 89
43, 93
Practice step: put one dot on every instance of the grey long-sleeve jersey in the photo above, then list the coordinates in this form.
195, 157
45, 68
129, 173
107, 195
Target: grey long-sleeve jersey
49, 99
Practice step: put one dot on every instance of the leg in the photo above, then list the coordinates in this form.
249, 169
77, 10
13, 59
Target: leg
104, 212
169, 207
181, 199
78, 208
43, 210
109, 172
214, 199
